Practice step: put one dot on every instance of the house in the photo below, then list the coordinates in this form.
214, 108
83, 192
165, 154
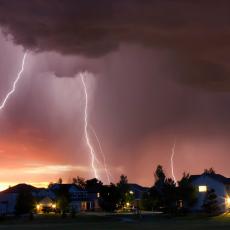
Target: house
93, 187
8, 198
208, 181
7, 203
47, 199
41, 193
78, 197
93, 199
137, 191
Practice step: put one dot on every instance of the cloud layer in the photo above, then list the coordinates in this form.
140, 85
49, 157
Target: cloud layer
196, 32
97, 27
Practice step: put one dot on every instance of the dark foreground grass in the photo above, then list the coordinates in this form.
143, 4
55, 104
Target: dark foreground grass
119, 222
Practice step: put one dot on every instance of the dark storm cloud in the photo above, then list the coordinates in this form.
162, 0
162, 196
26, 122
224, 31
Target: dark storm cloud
201, 74
196, 30
97, 27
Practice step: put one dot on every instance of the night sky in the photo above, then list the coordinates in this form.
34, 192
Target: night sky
160, 73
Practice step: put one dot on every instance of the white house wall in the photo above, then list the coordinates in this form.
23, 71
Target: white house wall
7, 203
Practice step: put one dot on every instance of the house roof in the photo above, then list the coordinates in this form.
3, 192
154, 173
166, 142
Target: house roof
19, 188
138, 187
214, 176
66, 187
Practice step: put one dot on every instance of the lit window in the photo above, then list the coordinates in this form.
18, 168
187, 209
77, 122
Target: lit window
203, 188
98, 195
180, 202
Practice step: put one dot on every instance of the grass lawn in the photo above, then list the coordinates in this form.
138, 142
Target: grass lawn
119, 222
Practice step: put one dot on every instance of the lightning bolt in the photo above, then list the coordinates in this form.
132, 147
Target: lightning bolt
2, 105
108, 175
86, 127
172, 162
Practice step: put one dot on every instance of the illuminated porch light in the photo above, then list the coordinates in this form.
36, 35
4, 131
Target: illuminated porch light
227, 201
38, 207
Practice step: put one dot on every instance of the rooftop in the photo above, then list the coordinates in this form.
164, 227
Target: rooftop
214, 176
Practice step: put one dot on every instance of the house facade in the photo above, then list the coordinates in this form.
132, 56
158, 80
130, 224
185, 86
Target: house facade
46, 199
78, 197
137, 191
93, 199
7, 203
217, 182
8, 198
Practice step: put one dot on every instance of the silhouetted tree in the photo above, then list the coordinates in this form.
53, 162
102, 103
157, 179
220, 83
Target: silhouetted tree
79, 181
163, 194
63, 203
154, 198
210, 205
209, 171
129, 197
159, 174
25, 203
60, 181
186, 191
63, 198
124, 189
109, 198
160, 177
169, 195
93, 184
